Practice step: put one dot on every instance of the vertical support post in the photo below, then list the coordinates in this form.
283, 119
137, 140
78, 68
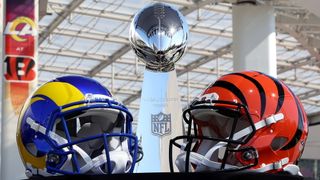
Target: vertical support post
1, 67
136, 70
217, 68
254, 38
315, 169
188, 88
19, 77
112, 78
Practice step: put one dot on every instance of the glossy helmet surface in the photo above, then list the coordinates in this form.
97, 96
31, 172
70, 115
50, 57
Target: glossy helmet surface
243, 121
158, 36
72, 125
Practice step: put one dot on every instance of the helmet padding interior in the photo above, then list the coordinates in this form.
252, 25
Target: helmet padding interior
93, 122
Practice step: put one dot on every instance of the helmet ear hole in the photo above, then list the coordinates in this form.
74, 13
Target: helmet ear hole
278, 142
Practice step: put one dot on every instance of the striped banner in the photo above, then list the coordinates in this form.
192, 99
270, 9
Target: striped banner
20, 76
20, 45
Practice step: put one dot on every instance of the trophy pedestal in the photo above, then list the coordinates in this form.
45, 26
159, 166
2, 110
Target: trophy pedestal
159, 120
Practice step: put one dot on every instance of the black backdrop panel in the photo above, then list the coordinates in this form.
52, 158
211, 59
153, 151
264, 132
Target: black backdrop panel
176, 176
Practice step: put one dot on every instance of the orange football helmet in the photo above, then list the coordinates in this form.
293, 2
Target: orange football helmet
243, 121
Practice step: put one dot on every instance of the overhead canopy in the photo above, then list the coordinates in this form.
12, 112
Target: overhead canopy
90, 38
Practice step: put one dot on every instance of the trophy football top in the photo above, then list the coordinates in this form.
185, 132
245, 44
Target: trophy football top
158, 36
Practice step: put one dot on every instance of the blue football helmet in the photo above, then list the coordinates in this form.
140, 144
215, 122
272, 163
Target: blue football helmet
72, 125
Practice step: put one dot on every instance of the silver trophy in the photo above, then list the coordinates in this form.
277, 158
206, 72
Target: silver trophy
158, 35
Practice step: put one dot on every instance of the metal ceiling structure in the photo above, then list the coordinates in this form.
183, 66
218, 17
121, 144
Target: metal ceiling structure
90, 38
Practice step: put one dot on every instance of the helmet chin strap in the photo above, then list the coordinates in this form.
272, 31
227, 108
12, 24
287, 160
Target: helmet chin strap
203, 162
120, 157
282, 164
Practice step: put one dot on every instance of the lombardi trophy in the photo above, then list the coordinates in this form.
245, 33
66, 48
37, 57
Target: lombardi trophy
158, 36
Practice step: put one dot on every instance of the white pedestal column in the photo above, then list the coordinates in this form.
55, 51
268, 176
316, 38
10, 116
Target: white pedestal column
159, 120
254, 39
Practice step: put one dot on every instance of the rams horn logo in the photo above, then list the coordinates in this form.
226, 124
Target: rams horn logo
17, 31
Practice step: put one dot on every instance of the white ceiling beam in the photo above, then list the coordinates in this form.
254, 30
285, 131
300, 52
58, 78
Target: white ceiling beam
302, 39
98, 57
309, 94
194, 6
310, 29
309, 20
117, 76
311, 102
221, 8
123, 91
124, 40
42, 8
83, 33
314, 42
205, 59
194, 29
74, 54
93, 12
123, 50
297, 64
282, 64
302, 84
314, 117
311, 5
62, 15
91, 35
192, 50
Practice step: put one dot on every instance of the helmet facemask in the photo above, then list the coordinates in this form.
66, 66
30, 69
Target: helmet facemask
94, 138
219, 130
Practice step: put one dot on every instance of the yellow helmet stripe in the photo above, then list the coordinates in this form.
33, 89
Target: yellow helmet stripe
59, 92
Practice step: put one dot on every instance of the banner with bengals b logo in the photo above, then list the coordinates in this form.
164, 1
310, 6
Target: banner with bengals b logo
20, 50
19, 62
19, 72
19, 69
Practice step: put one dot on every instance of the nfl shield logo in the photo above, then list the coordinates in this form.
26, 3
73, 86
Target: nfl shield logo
161, 124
